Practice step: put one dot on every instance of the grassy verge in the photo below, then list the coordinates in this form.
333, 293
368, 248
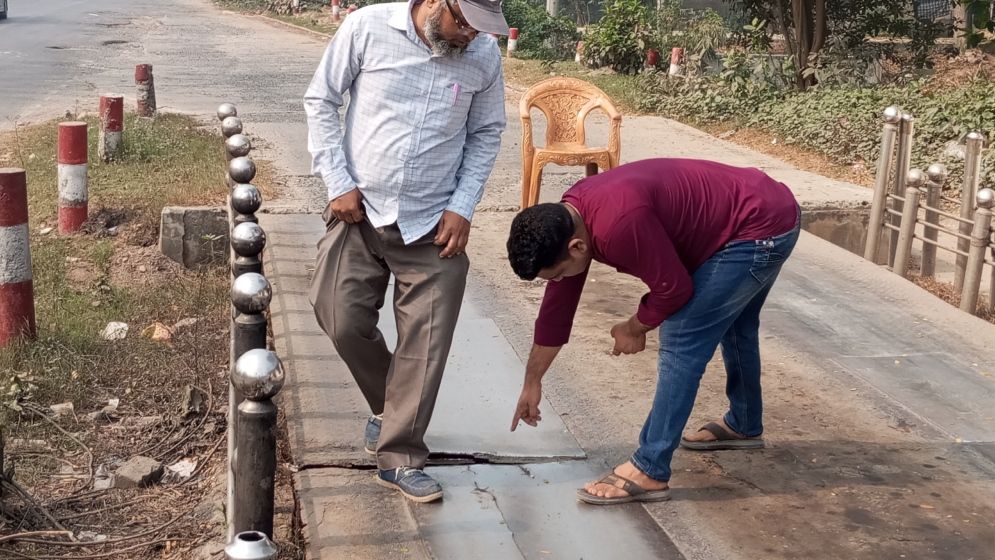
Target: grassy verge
315, 19
113, 272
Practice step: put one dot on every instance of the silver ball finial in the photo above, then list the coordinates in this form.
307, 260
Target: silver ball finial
241, 169
907, 116
975, 136
245, 198
251, 293
915, 178
231, 126
238, 145
251, 545
986, 198
248, 239
892, 114
258, 374
937, 173
226, 110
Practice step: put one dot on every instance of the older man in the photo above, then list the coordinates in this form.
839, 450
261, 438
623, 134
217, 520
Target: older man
708, 240
421, 133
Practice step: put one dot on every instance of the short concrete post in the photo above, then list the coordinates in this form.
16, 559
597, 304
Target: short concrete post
910, 212
676, 61
245, 200
17, 300
73, 184
972, 175
258, 377
336, 11
579, 52
111, 127
237, 145
906, 134
512, 41
251, 545
248, 241
937, 176
145, 91
976, 256
892, 118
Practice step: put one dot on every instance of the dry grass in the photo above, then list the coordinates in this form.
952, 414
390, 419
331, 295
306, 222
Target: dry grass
111, 272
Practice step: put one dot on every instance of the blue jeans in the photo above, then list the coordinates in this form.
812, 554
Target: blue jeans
729, 290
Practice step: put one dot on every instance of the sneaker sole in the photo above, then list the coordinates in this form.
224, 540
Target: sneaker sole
420, 499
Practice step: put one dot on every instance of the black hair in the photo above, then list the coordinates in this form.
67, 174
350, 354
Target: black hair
539, 238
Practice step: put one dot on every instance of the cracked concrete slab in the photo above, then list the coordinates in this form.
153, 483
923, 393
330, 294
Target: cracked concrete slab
326, 412
489, 512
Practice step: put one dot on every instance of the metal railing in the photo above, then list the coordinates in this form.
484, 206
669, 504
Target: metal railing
257, 374
913, 211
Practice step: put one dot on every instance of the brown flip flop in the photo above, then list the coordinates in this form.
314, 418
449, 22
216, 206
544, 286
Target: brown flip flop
724, 439
636, 492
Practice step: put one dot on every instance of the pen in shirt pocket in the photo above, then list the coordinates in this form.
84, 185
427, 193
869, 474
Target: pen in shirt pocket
456, 89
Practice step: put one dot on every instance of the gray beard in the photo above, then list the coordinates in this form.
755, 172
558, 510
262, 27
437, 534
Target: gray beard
433, 32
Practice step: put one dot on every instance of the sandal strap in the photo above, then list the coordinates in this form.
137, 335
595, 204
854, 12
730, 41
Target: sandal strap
720, 433
628, 486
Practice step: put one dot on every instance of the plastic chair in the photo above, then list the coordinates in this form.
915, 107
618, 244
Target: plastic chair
566, 103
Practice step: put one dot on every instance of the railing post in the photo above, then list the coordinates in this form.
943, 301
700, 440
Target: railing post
245, 200
251, 545
892, 116
937, 175
979, 246
972, 174
237, 145
258, 376
248, 240
251, 294
906, 135
910, 212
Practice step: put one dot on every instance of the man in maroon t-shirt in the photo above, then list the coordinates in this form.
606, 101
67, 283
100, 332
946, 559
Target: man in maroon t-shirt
708, 240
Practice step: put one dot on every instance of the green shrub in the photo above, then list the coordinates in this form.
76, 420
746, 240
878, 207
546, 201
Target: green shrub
620, 39
541, 36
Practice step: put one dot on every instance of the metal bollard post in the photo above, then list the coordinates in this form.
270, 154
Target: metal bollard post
247, 240
937, 175
251, 294
251, 545
903, 162
237, 145
226, 110
979, 246
245, 200
892, 118
17, 302
910, 212
258, 376
972, 174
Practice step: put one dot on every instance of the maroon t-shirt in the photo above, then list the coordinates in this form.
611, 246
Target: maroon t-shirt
659, 220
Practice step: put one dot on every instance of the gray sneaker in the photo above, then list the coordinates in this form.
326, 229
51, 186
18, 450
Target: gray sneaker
372, 434
413, 483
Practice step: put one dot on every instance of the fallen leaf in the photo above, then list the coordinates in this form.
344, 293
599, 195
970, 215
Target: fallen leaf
158, 332
926, 506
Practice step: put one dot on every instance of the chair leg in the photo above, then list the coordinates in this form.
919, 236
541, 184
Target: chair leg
591, 169
527, 164
536, 183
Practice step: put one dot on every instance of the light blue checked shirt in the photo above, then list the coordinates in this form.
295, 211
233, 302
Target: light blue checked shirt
421, 131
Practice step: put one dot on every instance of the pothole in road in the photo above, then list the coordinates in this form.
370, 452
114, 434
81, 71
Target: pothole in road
113, 42
58, 48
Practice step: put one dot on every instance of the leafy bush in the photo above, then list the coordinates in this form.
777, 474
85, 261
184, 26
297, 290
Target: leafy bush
542, 36
620, 39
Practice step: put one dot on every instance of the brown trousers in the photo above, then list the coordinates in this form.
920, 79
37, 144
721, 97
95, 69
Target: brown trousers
354, 264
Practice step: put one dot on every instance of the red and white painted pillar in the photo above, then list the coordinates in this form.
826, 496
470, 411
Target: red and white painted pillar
145, 90
579, 52
676, 61
111, 126
336, 10
512, 40
17, 300
73, 196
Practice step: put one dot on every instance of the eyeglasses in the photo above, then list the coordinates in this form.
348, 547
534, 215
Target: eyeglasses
464, 27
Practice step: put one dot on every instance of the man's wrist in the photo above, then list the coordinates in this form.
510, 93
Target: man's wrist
637, 327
